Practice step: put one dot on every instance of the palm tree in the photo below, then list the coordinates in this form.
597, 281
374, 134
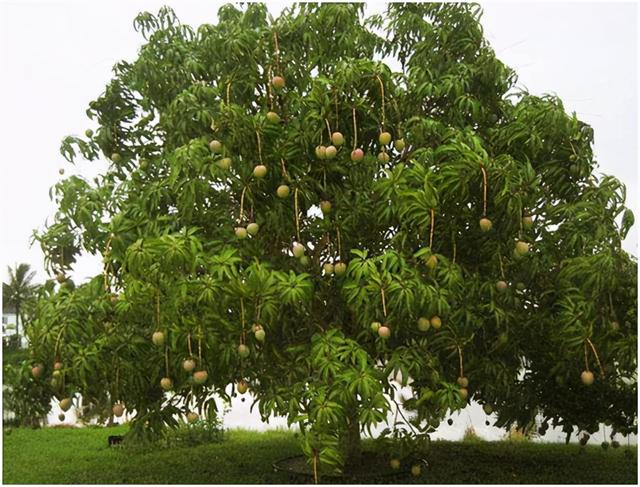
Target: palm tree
19, 291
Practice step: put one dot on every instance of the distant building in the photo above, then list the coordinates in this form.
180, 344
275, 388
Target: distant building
9, 320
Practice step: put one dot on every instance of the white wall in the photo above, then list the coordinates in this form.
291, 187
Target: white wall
240, 416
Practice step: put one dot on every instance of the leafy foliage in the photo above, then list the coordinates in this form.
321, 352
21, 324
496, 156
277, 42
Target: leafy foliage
28, 399
185, 126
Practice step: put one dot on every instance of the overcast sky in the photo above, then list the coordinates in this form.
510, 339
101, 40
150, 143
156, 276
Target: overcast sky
56, 56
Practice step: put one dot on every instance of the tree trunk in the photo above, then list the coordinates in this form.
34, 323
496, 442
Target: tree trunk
18, 325
352, 443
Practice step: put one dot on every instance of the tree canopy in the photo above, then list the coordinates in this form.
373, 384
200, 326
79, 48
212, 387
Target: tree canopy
321, 206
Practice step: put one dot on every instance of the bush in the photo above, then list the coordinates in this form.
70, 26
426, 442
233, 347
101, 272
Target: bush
471, 435
200, 432
11, 343
13, 356
517, 434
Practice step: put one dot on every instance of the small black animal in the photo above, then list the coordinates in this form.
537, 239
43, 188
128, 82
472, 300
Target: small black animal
115, 440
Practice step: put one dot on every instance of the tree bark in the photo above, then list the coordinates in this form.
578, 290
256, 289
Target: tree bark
352, 443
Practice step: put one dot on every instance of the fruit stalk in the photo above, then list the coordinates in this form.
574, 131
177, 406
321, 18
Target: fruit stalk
166, 360
284, 170
269, 92
259, 146
55, 348
157, 309
586, 358
117, 380
189, 345
242, 313
242, 202
258, 309
228, 90
454, 251
107, 251
384, 304
461, 365
484, 191
326, 121
277, 53
295, 201
382, 96
355, 129
433, 221
595, 352
335, 99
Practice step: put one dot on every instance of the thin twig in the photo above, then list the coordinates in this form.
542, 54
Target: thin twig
403, 416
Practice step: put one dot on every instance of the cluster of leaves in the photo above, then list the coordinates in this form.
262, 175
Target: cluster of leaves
404, 221
26, 399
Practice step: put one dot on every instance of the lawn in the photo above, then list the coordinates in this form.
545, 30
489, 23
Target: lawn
73, 456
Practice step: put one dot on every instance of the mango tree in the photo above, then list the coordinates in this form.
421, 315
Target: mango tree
319, 208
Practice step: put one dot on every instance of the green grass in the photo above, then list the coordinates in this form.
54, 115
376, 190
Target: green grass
73, 456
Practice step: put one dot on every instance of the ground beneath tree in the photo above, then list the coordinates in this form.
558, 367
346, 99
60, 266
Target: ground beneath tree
373, 468
81, 456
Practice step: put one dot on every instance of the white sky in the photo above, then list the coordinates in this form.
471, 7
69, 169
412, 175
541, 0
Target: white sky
56, 56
